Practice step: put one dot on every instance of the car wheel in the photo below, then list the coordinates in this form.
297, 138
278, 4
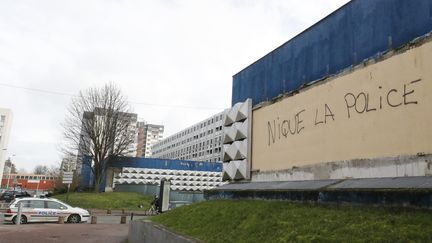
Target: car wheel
23, 219
74, 219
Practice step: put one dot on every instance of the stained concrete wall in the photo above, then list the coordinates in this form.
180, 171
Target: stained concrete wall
358, 168
146, 231
371, 121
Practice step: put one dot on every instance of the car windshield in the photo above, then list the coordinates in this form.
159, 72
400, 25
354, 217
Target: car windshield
12, 202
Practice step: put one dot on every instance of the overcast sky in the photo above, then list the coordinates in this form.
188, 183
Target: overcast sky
166, 55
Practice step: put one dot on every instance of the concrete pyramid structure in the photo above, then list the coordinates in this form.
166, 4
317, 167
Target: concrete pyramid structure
235, 140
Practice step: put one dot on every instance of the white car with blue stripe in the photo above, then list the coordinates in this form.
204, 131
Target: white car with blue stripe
44, 210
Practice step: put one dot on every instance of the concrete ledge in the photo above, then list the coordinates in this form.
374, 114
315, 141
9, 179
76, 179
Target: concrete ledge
147, 231
400, 166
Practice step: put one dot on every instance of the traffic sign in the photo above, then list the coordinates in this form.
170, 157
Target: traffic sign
67, 174
67, 177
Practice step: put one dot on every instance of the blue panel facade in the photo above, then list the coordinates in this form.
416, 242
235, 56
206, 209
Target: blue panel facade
359, 30
86, 178
151, 163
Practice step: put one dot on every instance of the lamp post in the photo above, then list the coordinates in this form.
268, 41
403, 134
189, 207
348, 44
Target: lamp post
4, 149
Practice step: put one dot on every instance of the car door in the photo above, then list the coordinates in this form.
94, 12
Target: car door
35, 211
54, 210
26, 209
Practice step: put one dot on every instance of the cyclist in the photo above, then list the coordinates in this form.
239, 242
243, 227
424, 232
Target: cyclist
154, 205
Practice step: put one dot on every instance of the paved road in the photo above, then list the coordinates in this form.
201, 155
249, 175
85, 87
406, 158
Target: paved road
107, 230
82, 233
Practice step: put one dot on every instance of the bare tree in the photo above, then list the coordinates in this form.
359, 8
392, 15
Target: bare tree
98, 124
40, 170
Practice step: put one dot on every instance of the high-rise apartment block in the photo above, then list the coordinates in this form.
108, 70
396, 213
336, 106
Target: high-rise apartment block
124, 119
200, 142
148, 135
5, 127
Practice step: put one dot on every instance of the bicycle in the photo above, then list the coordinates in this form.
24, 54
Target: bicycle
154, 208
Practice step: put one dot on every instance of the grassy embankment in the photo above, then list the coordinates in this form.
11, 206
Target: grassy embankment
272, 221
108, 200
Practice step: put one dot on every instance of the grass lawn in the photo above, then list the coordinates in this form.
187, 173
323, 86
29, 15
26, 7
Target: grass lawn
275, 221
107, 200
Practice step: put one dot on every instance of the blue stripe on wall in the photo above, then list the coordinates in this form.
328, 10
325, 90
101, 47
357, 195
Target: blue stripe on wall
359, 30
151, 163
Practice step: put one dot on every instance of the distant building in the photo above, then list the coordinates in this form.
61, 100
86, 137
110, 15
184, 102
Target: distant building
148, 135
29, 181
99, 113
199, 142
5, 127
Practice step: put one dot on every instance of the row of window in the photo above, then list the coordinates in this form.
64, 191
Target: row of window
190, 157
162, 147
195, 153
217, 141
190, 130
32, 177
42, 204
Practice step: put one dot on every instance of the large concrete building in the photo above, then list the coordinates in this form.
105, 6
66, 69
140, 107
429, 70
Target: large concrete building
5, 128
148, 135
349, 97
199, 142
340, 113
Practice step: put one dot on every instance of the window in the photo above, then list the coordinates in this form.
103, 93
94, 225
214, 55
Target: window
26, 203
55, 205
36, 204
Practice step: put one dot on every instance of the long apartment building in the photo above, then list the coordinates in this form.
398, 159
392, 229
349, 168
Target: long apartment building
148, 135
200, 142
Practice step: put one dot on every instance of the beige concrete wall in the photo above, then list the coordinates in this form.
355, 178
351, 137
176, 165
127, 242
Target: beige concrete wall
381, 110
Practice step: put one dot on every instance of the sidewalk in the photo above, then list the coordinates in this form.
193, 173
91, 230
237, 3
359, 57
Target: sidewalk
117, 212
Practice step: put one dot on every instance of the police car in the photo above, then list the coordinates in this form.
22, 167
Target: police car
44, 210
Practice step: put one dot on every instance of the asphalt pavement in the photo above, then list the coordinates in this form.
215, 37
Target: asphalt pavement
107, 230
83, 233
